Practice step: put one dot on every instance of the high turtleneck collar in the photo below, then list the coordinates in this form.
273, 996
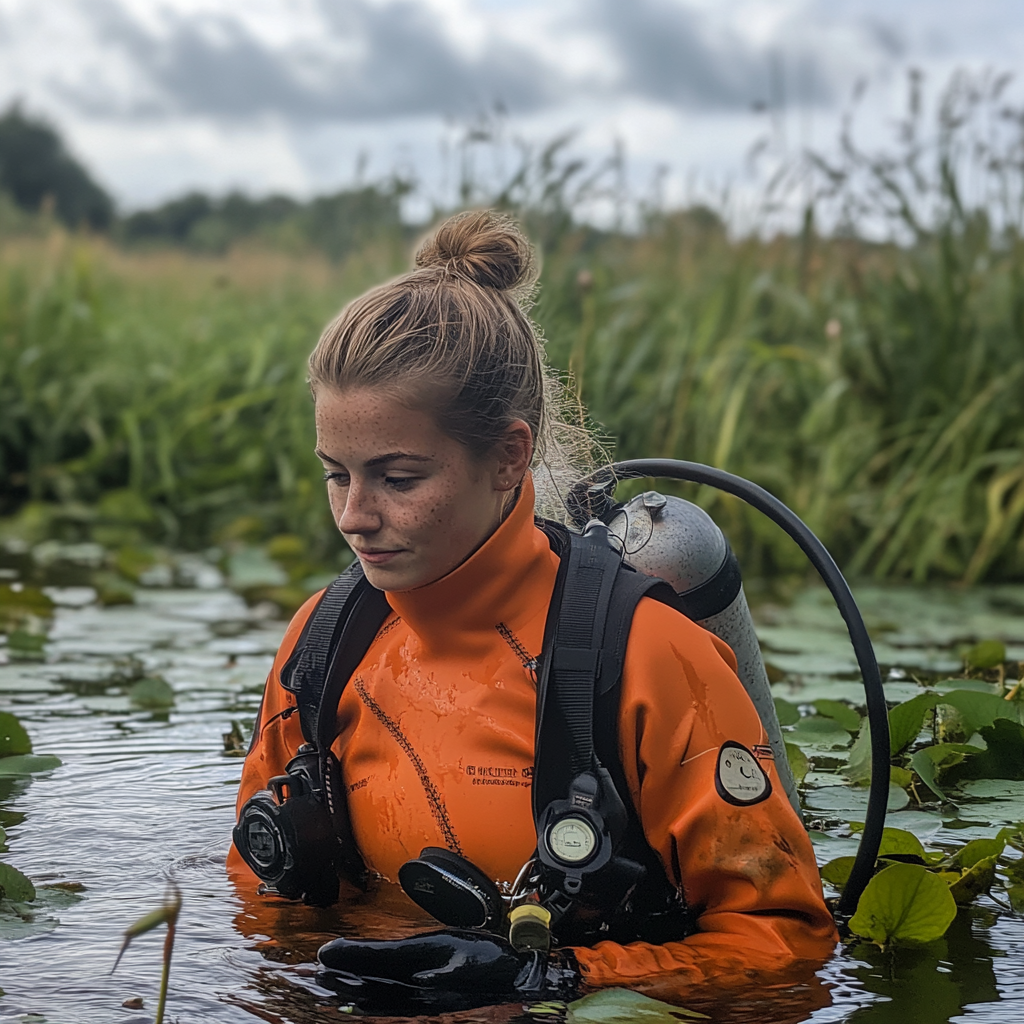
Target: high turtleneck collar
504, 580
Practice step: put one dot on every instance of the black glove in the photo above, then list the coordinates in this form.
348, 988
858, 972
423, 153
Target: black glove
457, 961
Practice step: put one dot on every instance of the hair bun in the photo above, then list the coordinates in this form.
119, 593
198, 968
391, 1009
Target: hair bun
486, 247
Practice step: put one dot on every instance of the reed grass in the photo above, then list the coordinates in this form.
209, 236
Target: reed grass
874, 385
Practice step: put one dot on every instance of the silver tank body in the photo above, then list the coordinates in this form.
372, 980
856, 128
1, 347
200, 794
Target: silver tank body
680, 543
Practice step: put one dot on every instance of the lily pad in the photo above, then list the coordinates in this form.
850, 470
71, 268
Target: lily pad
818, 733
14, 885
986, 654
840, 712
798, 763
787, 714
28, 764
904, 905
849, 802
13, 738
975, 881
151, 693
623, 1006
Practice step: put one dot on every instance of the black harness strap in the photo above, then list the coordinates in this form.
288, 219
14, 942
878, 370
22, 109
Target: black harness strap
306, 672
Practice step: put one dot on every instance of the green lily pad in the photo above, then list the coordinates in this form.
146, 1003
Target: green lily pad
623, 1006
986, 654
13, 738
849, 802
818, 733
930, 761
840, 712
975, 881
977, 850
15, 885
837, 871
904, 905
906, 720
28, 764
798, 763
153, 692
787, 714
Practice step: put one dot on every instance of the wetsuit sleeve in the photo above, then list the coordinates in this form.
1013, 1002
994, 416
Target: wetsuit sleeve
736, 848
277, 734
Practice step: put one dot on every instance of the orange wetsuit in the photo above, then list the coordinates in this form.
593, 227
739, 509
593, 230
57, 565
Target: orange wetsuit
435, 740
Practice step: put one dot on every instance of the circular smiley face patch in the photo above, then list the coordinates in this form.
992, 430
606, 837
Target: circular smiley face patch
739, 779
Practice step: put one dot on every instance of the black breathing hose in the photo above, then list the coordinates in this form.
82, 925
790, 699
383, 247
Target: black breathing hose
878, 716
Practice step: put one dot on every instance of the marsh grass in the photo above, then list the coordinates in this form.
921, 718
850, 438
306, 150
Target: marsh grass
875, 385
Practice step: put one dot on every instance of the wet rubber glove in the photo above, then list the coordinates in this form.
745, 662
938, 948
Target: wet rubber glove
455, 961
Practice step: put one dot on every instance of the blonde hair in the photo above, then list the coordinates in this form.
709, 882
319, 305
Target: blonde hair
454, 336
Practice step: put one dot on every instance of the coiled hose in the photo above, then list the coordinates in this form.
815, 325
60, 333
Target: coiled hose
597, 488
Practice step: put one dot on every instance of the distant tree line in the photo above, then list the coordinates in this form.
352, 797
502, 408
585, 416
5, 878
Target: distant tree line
39, 175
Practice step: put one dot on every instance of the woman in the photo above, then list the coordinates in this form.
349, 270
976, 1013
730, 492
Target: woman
432, 404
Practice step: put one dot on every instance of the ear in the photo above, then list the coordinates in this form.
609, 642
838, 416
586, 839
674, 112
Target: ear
514, 453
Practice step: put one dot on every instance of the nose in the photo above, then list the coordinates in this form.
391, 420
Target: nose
359, 513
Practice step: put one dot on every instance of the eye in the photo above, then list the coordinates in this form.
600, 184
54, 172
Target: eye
334, 477
400, 483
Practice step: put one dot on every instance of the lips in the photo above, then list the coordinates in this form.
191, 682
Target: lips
376, 557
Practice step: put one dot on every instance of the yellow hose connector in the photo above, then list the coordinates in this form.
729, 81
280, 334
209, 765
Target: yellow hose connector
529, 927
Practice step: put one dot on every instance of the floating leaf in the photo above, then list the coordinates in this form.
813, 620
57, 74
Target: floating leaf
28, 764
900, 777
986, 654
979, 710
788, 714
858, 767
1003, 757
907, 719
840, 712
13, 738
837, 871
929, 761
623, 1006
974, 882
899, 841
1016, 894
798, 763
15, 886
153, 692
819, 733
977, 850
904, 905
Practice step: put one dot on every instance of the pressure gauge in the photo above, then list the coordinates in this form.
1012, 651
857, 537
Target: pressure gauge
572, 840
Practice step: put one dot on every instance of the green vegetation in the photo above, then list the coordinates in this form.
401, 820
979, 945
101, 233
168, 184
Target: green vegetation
150, 397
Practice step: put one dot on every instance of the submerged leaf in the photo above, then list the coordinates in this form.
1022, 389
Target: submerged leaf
904, 905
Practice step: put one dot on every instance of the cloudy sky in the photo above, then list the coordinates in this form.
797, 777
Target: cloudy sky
289, 95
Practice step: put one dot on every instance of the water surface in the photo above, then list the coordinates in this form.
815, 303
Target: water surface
144, 797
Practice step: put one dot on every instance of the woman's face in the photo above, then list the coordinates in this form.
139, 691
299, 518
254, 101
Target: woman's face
411, 502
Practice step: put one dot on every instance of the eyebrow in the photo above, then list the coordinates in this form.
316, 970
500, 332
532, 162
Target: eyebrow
377, 460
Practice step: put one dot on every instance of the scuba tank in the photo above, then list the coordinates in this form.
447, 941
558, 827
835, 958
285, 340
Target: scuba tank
592, 497
680, 543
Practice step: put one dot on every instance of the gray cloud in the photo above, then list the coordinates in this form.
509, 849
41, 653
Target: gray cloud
394, 60
667, 55
402, 65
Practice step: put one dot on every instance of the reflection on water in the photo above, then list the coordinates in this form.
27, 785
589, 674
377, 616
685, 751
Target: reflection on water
143, 797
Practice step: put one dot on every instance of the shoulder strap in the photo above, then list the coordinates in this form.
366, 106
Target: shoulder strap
585, 641
349, 606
